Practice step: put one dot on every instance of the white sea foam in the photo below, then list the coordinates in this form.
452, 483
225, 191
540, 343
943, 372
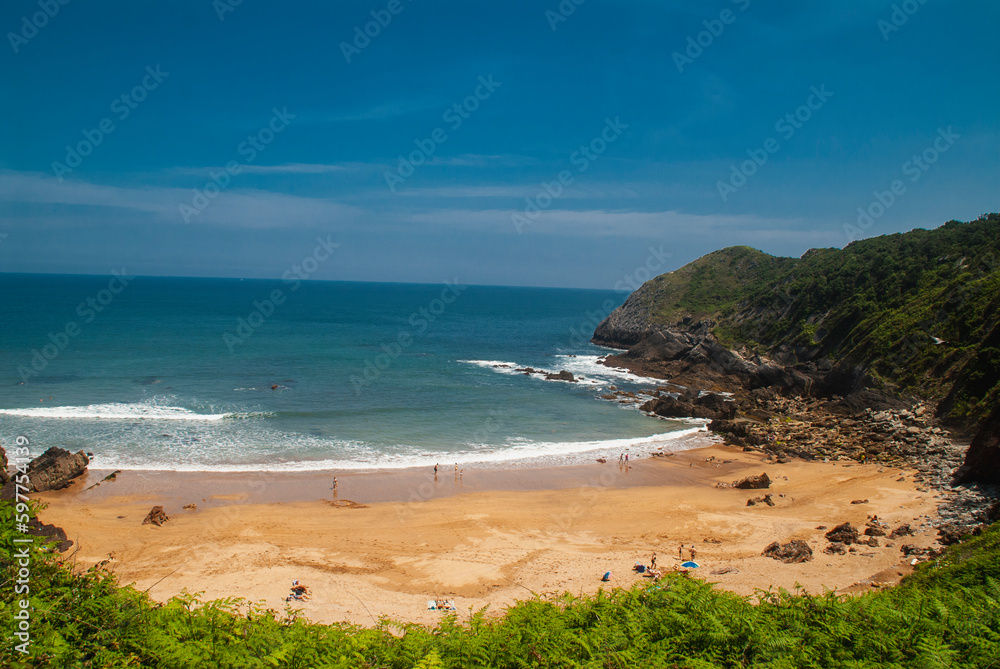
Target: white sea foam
362, 457
117, 411
586, 368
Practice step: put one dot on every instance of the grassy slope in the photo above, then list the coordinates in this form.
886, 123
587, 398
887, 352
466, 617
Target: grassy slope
946, 615
878, 302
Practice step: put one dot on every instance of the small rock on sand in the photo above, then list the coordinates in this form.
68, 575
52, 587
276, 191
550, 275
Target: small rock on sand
753, 482
156, 516
844, 533
762, 499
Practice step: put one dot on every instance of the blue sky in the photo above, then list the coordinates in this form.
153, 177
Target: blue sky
330, 127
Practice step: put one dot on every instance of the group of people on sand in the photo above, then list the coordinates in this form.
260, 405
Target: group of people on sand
651, 571
648, 571
459, 473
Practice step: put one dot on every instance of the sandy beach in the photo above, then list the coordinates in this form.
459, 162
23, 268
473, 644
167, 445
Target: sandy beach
391, 541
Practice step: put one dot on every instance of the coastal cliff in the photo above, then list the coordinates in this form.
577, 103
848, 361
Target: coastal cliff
881, 323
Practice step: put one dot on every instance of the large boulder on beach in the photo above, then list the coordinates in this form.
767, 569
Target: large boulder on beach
794, 551
982, 460
753, 482
55, 469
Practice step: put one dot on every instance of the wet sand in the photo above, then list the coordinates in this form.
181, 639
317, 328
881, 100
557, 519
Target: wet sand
390, 541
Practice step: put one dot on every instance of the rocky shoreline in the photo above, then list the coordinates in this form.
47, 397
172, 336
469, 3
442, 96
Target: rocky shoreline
782, 428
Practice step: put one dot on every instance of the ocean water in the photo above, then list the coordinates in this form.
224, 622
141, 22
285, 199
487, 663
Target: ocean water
247, 375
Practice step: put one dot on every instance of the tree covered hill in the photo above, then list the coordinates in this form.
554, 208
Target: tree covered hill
918, 312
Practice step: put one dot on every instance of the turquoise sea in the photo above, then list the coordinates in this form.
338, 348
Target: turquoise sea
230, 374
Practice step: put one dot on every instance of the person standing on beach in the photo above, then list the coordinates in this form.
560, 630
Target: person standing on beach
652, 562
334, 486
693, 553
621, 459
435, 470
680, 552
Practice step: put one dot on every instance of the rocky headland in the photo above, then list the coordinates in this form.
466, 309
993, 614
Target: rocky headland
885, 352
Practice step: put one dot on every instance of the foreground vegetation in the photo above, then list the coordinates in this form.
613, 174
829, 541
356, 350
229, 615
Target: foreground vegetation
945, 615
919, 311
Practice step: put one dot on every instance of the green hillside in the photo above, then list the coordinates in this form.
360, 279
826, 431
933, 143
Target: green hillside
919, 311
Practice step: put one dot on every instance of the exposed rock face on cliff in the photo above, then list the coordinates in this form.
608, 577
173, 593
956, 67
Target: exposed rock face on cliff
691, 405
55, 469
982, 460
689, 354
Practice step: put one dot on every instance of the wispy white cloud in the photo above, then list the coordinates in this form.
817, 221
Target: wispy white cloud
596, 191
482, 160
293, 168
287, 168
260, 209
388, 110
645, 224
236, 208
